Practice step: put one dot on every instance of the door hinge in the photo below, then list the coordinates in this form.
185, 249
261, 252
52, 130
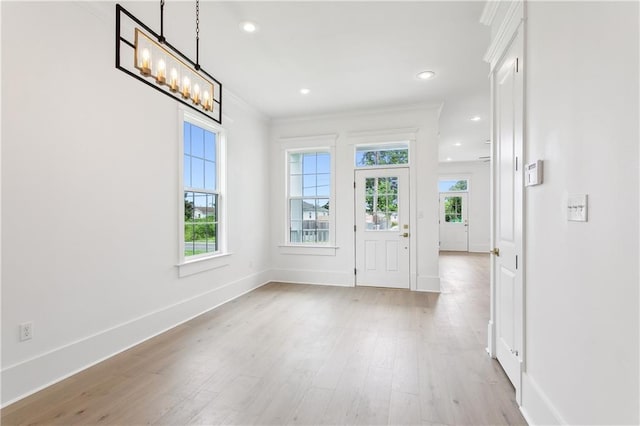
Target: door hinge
354, 185
516, 261
517, 64
354, 228
355, 271
516, 164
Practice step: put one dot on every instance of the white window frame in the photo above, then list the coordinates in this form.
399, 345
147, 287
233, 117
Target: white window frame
300, 145
205, 261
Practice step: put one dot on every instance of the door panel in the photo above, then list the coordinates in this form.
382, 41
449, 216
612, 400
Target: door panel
507, 285
454, 222
382, 220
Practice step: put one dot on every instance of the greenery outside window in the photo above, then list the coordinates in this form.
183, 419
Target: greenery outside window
201, 189
382, 154
453, 185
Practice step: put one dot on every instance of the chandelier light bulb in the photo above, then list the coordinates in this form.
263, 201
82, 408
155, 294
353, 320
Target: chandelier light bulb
206, 99
161, 77
173, 83
196, 94
145, 66
186, 87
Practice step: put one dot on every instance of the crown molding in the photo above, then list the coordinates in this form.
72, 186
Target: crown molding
489, 12
359, 113
506, 32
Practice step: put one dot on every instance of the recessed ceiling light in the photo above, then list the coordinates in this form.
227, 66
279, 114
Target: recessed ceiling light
475, 118
448, 158
305, 91
426, 75
457, 144
249, 27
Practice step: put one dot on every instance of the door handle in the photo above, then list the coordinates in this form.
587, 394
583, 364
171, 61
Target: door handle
405, 234
495, 251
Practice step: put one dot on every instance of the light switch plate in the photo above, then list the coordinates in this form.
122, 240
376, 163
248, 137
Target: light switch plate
577, 207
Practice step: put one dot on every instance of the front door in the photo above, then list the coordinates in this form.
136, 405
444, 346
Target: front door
454, 223
382, 227
508, 189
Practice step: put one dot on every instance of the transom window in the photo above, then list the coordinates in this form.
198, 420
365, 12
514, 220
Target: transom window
453, 185
382, 154
308, 198
201, 190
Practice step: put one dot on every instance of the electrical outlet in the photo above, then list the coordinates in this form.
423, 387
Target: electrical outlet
26, 331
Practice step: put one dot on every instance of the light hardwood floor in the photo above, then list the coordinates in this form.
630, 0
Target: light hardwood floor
301, 354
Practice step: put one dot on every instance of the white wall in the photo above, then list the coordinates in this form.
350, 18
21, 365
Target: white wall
479, 199
581, 315
337, 268
90, 199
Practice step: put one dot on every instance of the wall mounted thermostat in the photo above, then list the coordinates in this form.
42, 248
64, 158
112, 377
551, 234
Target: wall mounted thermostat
533, 173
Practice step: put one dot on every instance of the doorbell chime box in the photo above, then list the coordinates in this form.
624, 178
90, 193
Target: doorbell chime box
533, 173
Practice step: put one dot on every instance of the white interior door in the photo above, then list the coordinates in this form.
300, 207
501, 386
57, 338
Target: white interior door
454, 221
382, 227
507, 259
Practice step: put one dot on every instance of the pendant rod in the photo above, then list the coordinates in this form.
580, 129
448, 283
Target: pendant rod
161, 39
197, 35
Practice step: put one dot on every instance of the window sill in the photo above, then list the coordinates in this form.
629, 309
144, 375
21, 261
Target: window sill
312, 250
203, 264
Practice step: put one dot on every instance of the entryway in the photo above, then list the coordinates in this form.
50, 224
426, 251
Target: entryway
382, 227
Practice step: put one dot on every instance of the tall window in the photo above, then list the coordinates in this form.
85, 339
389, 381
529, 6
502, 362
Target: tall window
309, 194
201, 189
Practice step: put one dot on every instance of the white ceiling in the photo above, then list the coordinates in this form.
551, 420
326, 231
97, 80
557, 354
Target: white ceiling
351, 55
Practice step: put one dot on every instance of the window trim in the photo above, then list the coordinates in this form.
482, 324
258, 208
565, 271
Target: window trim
320, 143
331, 240
205, 261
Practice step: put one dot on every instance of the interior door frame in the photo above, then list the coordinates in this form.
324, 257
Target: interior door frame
502, 42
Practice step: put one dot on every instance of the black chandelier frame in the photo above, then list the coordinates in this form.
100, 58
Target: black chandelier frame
121, 41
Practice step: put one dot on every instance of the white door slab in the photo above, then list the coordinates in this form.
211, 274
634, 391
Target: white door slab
454, 221
508, 193
382, 227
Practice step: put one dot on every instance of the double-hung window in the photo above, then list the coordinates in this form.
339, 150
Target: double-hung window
201, 188
309, 195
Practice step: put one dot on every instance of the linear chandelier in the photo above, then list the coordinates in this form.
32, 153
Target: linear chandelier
155, 62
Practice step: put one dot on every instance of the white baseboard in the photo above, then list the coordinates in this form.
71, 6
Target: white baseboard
428, 283
304, 276
479, 248
27, 377
536, 407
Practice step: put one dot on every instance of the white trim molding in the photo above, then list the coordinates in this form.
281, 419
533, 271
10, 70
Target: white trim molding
507, 30
489, 12
382, 135
314, 277
27, 377
536, 406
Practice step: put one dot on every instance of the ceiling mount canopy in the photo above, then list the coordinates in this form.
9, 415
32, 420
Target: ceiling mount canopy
150, 58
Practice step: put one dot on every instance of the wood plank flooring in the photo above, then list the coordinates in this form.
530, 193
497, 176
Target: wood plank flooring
301, 354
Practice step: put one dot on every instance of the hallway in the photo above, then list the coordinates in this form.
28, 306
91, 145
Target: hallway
301, 354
